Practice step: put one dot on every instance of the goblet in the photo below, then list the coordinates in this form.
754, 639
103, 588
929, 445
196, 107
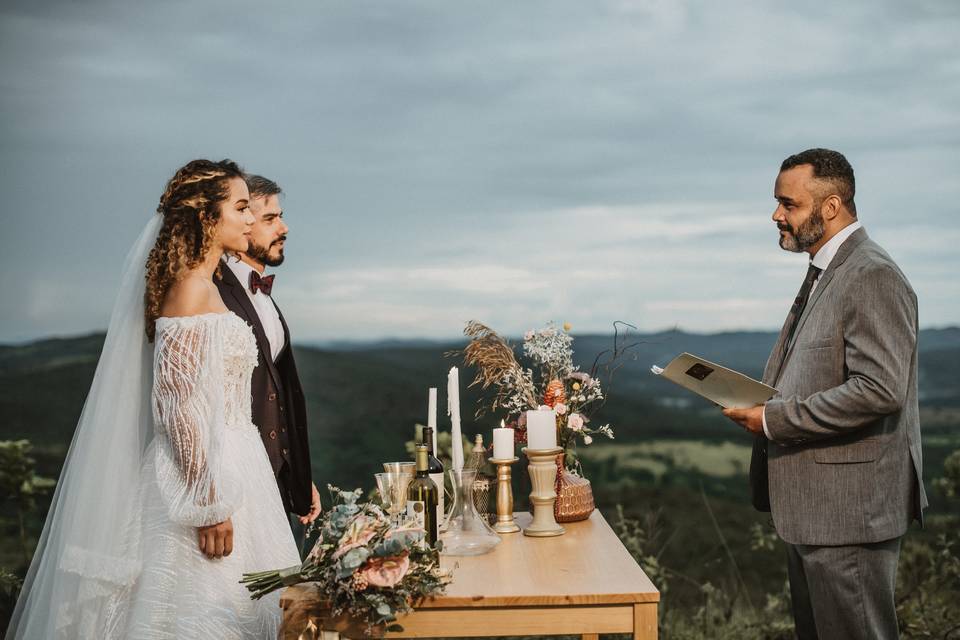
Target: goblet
393, 492
410, 468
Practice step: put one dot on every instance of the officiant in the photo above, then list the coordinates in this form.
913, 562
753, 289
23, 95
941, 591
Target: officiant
279, 409
837, 457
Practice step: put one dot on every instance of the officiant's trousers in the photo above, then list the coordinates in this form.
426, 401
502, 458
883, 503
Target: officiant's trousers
844, 592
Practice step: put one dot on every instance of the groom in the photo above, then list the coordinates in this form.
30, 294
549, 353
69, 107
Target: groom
836, 457
279, 410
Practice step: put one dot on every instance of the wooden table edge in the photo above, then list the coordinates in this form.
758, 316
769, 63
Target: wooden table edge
445, 602
297, 592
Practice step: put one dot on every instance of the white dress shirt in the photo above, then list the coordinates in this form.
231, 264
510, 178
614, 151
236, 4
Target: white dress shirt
822, 260
263, 304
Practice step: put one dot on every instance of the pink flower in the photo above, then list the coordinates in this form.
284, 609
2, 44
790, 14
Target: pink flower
359, 532
385, 572
560, 408
587, 439
528, 335
575, 422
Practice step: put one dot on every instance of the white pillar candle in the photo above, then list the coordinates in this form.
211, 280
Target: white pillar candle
541, 429
453, 409
503, 444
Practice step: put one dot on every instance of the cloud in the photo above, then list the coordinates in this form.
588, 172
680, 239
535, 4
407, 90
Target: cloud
444, 160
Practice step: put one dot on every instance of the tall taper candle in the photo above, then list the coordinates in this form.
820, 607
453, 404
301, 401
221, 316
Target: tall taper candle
453, 408
432, 414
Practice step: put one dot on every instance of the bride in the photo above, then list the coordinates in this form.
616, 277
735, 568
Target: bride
167, 496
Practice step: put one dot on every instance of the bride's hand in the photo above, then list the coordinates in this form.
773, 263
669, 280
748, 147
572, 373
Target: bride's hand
216, 540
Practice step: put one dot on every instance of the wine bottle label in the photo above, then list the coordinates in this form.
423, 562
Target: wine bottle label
438, 480
415, 512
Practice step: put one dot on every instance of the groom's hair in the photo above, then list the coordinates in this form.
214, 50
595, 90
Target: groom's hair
261, 187
830, 167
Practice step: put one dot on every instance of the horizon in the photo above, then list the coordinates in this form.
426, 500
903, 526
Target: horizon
334, 342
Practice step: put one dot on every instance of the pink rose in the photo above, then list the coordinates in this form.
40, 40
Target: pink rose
560, 408
575, 422
385, 572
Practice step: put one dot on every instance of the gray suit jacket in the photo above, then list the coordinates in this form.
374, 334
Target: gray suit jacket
844, 463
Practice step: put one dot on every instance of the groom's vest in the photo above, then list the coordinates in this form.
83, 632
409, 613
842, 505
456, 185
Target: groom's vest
278, 406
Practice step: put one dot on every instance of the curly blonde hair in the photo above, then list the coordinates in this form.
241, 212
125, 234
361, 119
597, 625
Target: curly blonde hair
190, 207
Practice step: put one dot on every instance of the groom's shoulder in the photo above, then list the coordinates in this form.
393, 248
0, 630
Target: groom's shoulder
226, 277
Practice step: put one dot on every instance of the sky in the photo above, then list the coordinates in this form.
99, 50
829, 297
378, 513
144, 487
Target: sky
510, 162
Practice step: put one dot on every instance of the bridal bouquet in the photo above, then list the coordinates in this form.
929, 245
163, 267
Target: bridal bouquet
366, 570
553, 382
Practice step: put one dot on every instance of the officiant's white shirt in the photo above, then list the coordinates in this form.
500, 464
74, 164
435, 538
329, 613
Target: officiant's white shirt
263, 304
822, 260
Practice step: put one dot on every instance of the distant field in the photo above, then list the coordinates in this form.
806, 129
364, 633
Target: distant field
719, 460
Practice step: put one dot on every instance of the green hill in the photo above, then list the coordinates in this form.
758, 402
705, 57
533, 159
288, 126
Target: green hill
675, 465
363, 400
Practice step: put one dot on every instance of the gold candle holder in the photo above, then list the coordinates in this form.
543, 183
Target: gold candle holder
505, 522
543, 477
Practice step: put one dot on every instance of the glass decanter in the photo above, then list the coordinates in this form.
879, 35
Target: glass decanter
467, 533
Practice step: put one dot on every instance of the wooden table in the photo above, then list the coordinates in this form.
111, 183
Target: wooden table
583, 582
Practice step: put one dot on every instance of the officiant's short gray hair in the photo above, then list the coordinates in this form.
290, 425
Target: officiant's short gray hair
261, 187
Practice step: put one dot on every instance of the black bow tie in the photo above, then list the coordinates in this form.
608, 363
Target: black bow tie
261, 283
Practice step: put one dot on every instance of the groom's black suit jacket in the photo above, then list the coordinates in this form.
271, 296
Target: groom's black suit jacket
279, 410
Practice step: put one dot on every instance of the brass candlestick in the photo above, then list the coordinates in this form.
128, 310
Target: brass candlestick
505, 522
543, 477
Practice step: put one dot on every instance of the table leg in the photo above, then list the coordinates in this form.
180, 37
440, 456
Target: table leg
645, 621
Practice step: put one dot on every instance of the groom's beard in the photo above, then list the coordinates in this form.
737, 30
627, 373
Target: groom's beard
806, 235
262, 254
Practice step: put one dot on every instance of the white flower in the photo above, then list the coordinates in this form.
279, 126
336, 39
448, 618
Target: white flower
560, 408
587, 439
550, 348
575, 422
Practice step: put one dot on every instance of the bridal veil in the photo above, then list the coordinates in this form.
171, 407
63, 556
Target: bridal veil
88, 556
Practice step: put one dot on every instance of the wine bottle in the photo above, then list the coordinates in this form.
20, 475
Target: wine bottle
422, 498
435, 467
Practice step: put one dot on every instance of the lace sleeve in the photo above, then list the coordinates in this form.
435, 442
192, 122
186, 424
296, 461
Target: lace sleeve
188, 408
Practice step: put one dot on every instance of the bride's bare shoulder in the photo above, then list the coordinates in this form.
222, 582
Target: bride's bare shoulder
192, 295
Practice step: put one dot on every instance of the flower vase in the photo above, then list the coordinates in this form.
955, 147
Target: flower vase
574, 495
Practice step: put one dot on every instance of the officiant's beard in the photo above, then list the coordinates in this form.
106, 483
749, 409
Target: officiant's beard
806, 235
262, 254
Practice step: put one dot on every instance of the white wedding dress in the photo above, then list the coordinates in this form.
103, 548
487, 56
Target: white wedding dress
206, 464
164, 444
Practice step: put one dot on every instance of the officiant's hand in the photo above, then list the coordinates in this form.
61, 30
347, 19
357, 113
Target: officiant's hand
750, 419
315, 507
216, 540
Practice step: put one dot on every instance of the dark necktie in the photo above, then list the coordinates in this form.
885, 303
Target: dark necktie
261, 283
801, 302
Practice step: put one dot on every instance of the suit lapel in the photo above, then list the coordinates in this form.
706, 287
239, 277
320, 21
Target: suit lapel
286, 329
844, 252
772, 371
243, 300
